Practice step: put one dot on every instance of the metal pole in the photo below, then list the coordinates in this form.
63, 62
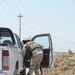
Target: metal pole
20, 25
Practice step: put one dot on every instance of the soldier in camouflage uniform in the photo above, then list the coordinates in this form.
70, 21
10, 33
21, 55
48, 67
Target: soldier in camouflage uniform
37, 55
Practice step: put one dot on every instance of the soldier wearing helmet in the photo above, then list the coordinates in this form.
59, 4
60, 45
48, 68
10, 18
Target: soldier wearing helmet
37, 55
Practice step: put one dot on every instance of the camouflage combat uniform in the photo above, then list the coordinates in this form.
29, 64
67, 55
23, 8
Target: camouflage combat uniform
37, 56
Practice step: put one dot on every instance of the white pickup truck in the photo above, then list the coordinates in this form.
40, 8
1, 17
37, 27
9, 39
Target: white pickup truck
11, 60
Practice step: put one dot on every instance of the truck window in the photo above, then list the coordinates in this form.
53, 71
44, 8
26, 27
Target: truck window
43, 41
5, 37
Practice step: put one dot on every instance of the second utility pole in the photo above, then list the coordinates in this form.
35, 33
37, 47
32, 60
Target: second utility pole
20, 25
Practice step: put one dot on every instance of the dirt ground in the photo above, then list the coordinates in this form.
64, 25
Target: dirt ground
61, 67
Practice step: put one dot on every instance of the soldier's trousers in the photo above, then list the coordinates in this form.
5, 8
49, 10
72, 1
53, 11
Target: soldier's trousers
35, 64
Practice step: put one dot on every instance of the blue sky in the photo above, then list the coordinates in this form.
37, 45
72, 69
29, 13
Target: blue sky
56, 17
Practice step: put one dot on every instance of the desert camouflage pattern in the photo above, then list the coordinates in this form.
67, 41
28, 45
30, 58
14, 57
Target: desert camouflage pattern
35, 64
37, 56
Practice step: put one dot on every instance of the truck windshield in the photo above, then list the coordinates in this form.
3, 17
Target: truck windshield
5, 37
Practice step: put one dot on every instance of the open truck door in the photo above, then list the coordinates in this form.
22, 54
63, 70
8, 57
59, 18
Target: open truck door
48, 56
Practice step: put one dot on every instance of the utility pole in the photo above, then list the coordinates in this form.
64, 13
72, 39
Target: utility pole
20, 25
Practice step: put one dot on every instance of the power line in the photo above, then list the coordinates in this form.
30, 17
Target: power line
9, 6
7, 12
64, 40
14, 2
33, 28
4, 8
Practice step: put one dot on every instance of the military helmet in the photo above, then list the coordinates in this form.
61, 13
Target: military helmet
26, 39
